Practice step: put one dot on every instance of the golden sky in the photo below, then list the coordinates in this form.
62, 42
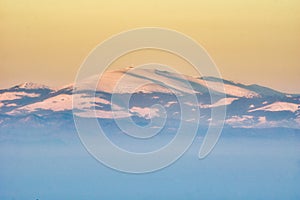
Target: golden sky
250, 41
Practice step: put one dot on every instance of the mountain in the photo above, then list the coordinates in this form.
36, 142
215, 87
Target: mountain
248, 106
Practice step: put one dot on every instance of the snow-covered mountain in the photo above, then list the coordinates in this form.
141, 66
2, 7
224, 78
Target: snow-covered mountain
248, 106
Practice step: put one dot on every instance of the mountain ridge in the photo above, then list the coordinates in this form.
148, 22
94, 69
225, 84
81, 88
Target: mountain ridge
251, 106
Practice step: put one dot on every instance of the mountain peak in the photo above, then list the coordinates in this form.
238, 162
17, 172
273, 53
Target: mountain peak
31, 85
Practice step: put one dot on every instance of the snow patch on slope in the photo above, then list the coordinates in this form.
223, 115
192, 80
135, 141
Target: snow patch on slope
244, 121
56, 103
146, 113
11, 105
60, 102
102, 114
16, 95
279, 106
229, 89
221, 102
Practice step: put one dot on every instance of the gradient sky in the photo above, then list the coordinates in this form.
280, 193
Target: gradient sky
250, 41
